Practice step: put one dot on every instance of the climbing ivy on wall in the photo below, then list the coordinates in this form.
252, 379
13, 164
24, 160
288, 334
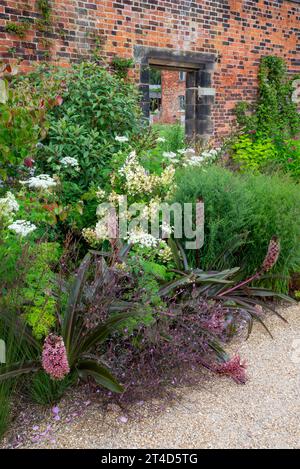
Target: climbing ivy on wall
45, 9
274, 113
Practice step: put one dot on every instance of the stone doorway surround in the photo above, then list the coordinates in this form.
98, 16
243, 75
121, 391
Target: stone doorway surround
200, 95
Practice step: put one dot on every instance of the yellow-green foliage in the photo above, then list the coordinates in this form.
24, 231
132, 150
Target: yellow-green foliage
37, 294
253, 154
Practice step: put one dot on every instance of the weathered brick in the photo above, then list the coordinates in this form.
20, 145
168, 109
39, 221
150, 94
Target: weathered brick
238, 32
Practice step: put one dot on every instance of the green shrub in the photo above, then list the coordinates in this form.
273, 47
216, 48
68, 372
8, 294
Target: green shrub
172, 139
4, 396
263, 154
37, 295
270, 123
19, 134
121, 66
96, 107
174, 136
15, 350
28, 281
253, 154
86, 109
287, 158
242, 213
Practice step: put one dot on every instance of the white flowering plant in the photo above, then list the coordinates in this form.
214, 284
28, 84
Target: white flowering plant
22, 227
8, 207
140, 187
41, 182
186, 157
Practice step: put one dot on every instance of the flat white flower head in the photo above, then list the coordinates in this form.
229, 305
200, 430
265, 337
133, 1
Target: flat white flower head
68, 161
22, 227
121, 139
161, 140
42, 181
169, 154
143, 239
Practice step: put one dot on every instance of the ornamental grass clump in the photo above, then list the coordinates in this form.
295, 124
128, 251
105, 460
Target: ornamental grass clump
242, 214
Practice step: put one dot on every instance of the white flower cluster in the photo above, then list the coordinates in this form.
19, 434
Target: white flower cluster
139, 181
100, 194
68, 161
121, 139
145, 240
90, 236
188, 157
43, 181
8, 205
171, 156
101, 230
166, 229
161, 140
107, 227
165, 252
151, 209
22, 227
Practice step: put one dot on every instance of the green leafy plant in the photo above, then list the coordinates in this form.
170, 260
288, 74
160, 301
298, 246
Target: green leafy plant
252, 154
19, 29
21, 125
275, 114
287, 158
94, 107
15, 350
4, 408
45, 9
38, 299
121, 66
173, 134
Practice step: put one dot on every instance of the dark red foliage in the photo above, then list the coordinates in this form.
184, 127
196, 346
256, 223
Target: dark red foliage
171, 352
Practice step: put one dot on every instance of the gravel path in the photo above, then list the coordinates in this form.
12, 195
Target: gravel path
265, 413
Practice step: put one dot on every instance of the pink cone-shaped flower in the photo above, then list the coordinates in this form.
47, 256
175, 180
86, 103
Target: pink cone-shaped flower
234, 368
272, 254
54, 357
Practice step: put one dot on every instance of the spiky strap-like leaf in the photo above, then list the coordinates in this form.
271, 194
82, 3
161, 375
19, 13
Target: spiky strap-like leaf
17, 369
101, 375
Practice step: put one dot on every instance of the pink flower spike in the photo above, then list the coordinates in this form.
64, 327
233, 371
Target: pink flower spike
54, 357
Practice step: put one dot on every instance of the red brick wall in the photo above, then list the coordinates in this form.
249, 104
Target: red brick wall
172, 88
238, 31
